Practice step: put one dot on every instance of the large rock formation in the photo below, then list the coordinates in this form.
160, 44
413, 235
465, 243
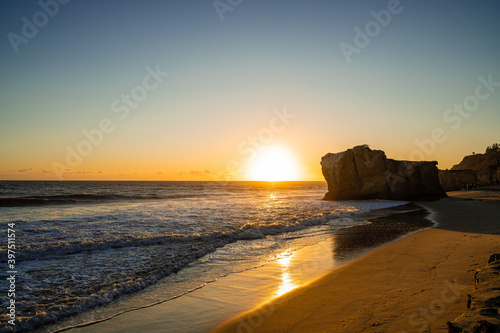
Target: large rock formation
455, 180
486, 165
361, 173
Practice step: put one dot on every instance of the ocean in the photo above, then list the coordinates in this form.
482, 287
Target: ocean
82, 245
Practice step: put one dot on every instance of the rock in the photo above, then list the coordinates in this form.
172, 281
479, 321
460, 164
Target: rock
361, 173
455, 180
486, 165
483, 304
494, 257
489, 312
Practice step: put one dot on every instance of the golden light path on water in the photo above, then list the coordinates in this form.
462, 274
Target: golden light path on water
286, 283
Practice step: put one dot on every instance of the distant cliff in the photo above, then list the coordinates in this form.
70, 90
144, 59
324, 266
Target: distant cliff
361, 173
486, 165
455, 180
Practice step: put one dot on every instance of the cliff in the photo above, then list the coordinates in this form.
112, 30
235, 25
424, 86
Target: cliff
361, 173
486, 165
455, 180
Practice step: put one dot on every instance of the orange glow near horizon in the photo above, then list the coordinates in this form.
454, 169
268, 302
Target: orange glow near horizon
274, 163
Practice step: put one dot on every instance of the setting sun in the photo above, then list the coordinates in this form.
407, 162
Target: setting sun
274, 163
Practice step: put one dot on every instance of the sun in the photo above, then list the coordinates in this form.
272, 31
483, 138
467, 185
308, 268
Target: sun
273, 163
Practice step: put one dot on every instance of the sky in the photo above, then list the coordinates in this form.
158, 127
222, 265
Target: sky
203, 90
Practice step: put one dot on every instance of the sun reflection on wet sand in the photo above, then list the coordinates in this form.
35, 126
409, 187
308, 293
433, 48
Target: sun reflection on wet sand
287, 282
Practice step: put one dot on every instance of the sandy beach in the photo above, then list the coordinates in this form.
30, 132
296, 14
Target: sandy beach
416, 284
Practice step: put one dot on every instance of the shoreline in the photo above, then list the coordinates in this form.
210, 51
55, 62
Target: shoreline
262, 284
415, 284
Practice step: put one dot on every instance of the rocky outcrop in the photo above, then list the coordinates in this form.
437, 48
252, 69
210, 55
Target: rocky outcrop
486, 165
361, 173
483, 303
455, 180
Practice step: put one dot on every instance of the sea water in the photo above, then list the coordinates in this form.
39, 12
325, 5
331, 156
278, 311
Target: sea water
83, 245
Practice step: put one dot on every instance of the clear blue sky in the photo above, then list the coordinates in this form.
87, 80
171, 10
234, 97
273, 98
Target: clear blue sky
227, 76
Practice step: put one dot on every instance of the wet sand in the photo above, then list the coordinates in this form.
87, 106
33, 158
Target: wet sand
416, 284
385, 225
